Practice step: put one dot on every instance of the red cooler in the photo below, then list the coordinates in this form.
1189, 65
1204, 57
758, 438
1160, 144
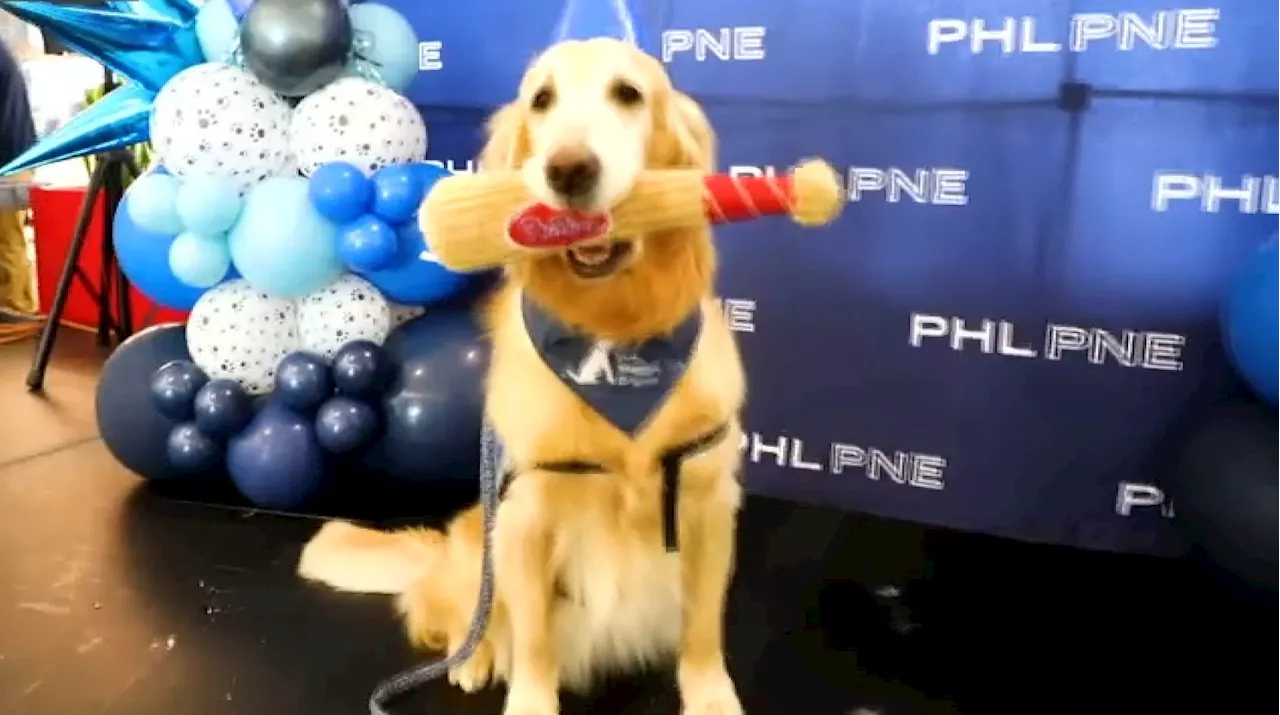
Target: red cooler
54, 211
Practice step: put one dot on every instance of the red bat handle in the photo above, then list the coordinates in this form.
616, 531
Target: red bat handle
742, 198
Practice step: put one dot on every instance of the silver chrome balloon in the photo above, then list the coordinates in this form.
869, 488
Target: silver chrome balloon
296, 46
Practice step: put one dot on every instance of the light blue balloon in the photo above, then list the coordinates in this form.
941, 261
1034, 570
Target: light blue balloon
153, 203
208, 205
199, 261
281, 245
384, 42
144, 258
217, 29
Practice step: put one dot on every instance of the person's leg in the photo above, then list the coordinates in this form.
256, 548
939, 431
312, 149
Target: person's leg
15, 268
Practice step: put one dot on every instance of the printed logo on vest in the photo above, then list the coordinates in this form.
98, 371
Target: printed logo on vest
595, 368
603, 365
624, 384
541, 226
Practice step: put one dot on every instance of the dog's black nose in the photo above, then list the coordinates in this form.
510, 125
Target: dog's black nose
573, 171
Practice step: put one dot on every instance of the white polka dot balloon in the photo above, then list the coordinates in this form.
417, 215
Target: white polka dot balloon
290, 166
240, 333
359, 122
218, 120
401, 314
349, 309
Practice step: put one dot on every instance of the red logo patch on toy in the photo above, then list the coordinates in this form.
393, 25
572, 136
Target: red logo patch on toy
541, 226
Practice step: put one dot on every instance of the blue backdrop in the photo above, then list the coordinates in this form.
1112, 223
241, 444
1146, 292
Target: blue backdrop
1048, 199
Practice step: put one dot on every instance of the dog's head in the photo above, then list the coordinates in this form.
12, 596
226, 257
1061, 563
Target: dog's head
590, 116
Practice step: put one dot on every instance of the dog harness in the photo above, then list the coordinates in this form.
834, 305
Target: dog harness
623, 384
670, 462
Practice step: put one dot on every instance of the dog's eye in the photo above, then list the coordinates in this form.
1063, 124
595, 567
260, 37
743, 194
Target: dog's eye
626, 94
542, 99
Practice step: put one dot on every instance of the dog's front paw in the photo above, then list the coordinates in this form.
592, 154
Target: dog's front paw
475, 672
516, 709
323, 549
521, 701
708, 692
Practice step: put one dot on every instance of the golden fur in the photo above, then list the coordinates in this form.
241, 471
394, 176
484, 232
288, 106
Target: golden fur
584, 585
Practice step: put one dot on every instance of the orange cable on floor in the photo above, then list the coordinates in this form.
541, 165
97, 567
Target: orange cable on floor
16, 327
11, 333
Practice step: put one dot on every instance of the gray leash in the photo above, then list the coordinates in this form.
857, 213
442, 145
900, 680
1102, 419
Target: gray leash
403, 682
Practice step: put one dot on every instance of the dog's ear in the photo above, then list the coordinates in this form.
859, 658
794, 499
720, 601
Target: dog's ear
683, 137
508, 143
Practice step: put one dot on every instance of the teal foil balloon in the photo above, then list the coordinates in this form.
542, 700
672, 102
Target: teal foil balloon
131, 39
118, 120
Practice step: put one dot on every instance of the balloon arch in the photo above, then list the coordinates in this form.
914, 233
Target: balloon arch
282, 213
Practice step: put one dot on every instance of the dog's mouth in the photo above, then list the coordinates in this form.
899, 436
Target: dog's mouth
599, 260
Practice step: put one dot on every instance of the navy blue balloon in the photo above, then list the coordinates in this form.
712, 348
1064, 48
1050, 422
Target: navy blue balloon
222, 407
398, 190
174, 387
368, 244
361, 369
276, 462
302, 381
433, 410
191, 450
340, 192
345, 425
133, 430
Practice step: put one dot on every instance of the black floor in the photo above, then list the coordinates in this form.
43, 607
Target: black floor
114, 600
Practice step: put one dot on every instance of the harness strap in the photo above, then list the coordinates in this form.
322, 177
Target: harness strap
568, 466
669, 462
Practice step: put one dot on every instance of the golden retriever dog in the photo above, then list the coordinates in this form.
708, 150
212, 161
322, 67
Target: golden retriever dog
596, 573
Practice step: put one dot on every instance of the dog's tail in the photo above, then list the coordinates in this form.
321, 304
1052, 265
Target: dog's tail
352, 558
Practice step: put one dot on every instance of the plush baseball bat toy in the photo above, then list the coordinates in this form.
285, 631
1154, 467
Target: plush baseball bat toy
479, 221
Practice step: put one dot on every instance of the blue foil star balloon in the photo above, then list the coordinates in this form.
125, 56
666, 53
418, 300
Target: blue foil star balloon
130, 39
121, 118
146, 41
180, 10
